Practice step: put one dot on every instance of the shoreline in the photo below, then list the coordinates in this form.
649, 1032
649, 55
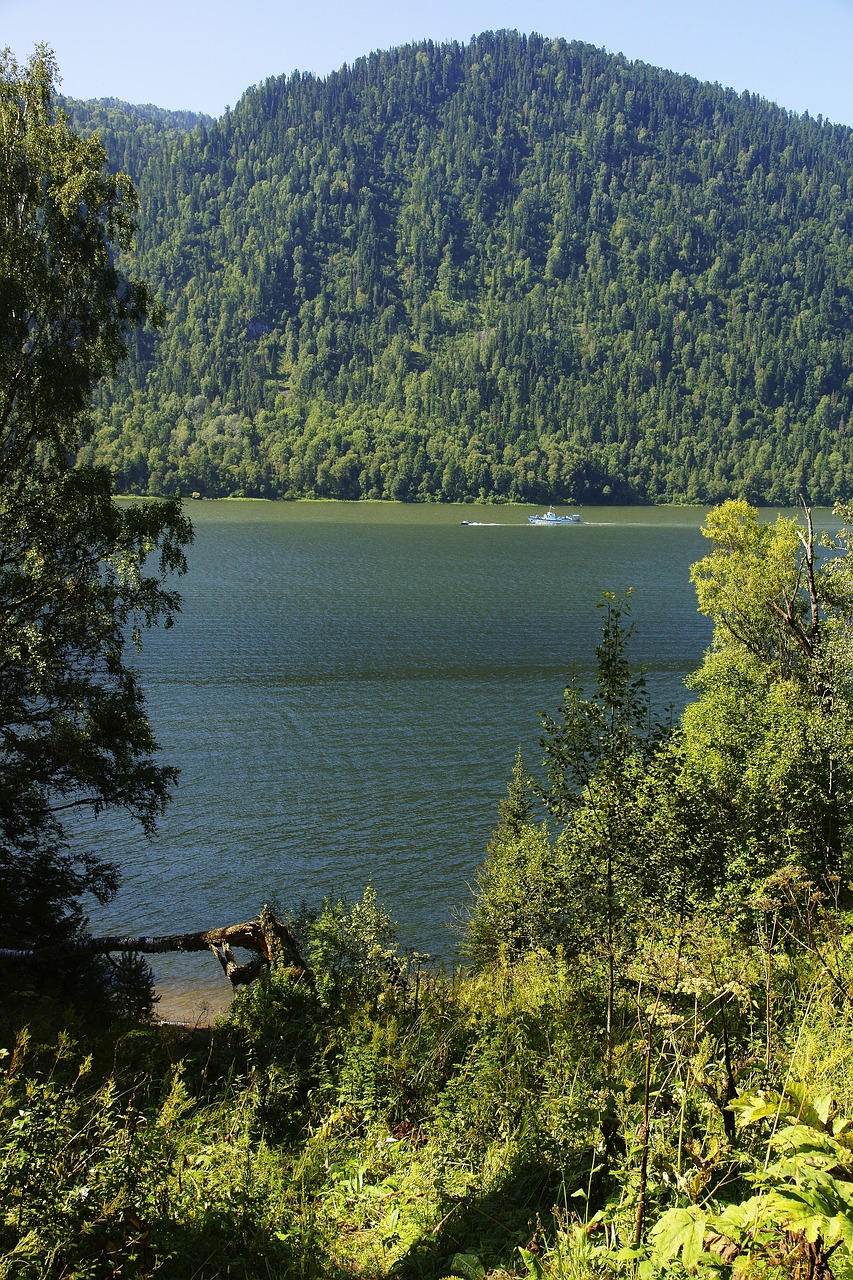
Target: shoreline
189, 1005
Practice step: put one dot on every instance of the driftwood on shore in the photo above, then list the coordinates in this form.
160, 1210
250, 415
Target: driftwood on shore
273, 943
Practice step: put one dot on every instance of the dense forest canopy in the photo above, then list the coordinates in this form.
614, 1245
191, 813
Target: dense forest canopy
520, 268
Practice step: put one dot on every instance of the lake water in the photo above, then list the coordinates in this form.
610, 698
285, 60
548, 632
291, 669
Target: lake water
345, 693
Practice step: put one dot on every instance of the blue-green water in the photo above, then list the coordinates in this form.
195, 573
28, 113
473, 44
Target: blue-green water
345, 693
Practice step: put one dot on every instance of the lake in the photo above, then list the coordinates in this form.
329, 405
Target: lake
345, 693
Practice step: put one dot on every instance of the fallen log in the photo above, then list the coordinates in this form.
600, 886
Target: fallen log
272, 941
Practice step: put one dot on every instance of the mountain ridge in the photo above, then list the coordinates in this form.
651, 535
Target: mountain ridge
517, 268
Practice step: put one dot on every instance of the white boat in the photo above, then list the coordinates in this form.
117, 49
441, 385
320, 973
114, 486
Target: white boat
550, 517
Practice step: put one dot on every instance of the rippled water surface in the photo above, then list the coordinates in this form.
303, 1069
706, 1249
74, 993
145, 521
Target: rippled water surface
345, 693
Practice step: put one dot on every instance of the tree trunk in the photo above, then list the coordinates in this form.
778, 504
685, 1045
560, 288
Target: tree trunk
273, 943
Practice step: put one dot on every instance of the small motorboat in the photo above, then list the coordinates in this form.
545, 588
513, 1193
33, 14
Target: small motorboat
550, 517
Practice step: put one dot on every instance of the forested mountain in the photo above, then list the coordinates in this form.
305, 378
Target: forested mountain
518, 268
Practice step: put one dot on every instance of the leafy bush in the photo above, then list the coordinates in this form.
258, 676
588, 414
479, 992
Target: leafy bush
521, 897
82, 1171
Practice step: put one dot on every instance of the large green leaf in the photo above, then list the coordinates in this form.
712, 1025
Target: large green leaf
680, 1231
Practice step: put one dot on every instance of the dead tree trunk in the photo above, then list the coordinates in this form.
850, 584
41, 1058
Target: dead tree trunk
273, 943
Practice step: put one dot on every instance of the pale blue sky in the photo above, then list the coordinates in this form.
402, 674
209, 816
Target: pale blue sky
201, 56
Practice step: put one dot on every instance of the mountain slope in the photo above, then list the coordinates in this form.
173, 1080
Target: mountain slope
518, 268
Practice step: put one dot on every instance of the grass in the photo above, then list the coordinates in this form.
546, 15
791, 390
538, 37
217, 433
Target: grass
479, 1131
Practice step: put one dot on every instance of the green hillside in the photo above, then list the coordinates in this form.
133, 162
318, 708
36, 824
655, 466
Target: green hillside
515, 269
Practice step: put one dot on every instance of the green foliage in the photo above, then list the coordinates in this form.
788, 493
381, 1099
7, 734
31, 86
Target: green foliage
515, 269
596, 738
801, 1211
285, 1021
78, 1167
66, 311
770, 733
352, 948
596, 757
74, 733
520, 894
465, 1129
515, 810
630, 858
79, 575
752, 586
103, 1177
521, 899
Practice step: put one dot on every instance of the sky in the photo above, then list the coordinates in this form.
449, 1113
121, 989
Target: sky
201, 55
